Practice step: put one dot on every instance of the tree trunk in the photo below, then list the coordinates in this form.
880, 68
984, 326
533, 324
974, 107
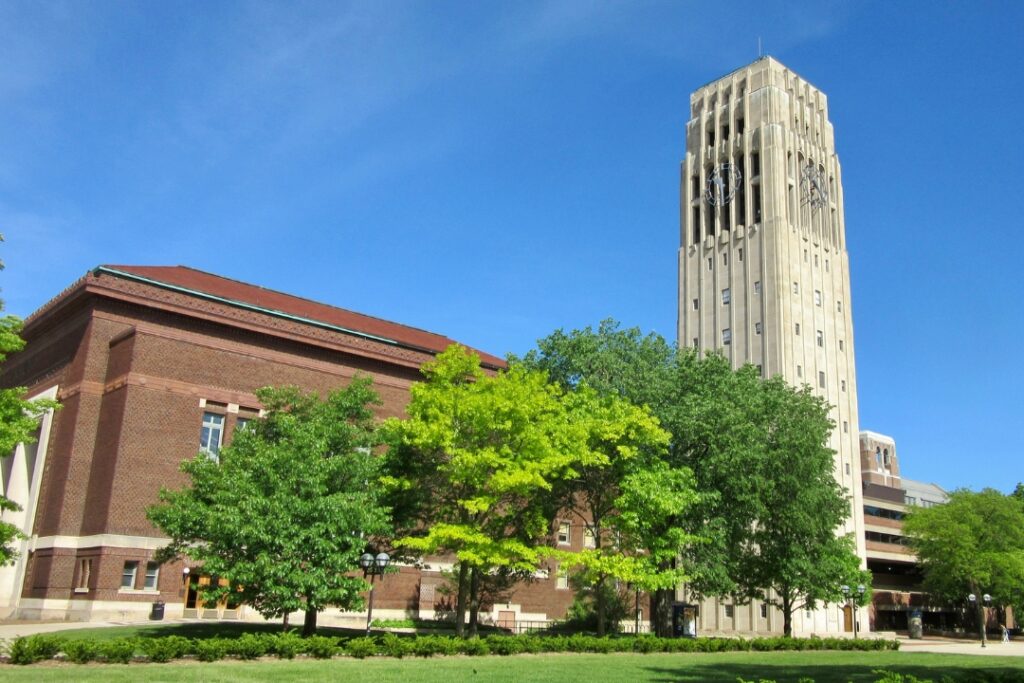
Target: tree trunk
285, 624
602, 607
309, 624
661, 612
460, 601
787, 615
474, 602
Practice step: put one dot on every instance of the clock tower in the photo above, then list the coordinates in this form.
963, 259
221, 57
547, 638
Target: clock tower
763, 268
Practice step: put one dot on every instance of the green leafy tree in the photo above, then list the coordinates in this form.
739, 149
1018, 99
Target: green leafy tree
638, 495
19, 420
289, 507
973, 543
1018, 492
792, 557
475, 464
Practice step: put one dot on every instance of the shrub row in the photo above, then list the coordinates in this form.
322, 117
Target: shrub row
287, 645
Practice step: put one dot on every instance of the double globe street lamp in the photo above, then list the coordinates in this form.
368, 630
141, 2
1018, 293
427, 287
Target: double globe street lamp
373, 565
853, 598
986, 600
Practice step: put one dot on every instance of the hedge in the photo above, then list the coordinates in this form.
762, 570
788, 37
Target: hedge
31, 649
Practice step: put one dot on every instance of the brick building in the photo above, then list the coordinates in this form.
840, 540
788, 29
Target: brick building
150, 364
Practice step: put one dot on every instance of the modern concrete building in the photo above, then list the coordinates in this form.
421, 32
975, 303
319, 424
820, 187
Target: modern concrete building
763, 267
895, 576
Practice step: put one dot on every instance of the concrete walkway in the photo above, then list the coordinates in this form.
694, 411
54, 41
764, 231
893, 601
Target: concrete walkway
952, 646
14, 629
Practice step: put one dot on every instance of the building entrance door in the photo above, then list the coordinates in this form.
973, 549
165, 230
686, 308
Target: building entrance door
848, 619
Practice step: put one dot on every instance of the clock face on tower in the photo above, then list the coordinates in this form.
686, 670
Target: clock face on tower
813, 187
722, 184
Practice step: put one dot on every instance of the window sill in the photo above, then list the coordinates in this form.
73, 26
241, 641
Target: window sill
135, 591
81, 590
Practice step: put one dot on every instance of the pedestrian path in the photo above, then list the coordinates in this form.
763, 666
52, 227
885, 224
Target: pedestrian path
1014, 648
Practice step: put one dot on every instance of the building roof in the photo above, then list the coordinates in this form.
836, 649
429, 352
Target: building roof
241, 294
924, 491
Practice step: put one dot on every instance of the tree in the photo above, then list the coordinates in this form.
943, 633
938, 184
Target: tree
973, 543
1018, 492
289, 507
475, 464
19, 420
636, 493
792, 557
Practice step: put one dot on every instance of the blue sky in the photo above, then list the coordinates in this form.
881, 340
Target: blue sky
493, 171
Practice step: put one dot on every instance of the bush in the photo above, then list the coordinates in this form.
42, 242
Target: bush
321, 647
118, 650
474, 647
428, 646
81, 651
211, 649
393, 646
249, 646
32, 649
360, 647
165, 649
285, 645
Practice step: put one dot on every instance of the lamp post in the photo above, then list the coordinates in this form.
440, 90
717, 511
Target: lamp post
372, 566
853, 599
986, 600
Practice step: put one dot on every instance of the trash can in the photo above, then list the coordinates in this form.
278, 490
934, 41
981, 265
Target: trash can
915, 627
157, 613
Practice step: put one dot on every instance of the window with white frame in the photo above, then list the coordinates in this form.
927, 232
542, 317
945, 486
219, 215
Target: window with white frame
588, 538
211, 436
563, 533
152, 576
726, 337
725, 296
129, 574
562, 578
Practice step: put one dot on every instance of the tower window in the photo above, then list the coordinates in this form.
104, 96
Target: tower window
840, 344
817, 297
725, 259
739, 126
755, 164
799, 371
842, 385
846, 427
726, 337
725, 132
725, 296
805, 256
796, 287
694, 187
709, 219
757, 328
757, 287
739, 254
821, 338
821, 379
839, 306
711, 137
796, 327
696, 343
695, 224
815, 260
826, 265
757, 203
696, 304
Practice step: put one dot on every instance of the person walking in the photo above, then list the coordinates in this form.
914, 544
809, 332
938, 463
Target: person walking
1006, 634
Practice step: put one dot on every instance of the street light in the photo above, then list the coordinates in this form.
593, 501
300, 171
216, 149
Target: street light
986, 600
853, 599
372, 566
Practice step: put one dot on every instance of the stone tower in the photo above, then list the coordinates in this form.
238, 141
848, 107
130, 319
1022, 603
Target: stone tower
763, 268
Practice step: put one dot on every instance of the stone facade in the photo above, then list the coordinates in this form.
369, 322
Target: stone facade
763, 267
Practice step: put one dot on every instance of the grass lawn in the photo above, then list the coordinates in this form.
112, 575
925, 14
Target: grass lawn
784, 667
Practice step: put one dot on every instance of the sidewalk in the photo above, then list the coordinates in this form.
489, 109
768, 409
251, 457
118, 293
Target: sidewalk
9, 630
1014, 648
